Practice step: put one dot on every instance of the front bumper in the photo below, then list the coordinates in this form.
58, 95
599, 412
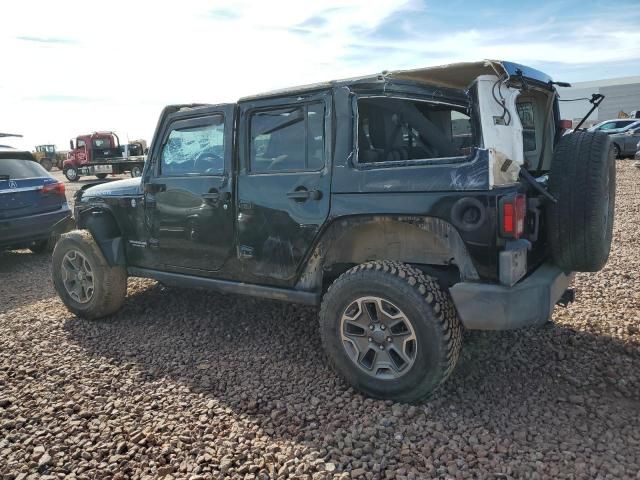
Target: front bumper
530, 302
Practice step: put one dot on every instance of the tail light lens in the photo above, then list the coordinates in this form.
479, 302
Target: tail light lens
513, 213
54, 188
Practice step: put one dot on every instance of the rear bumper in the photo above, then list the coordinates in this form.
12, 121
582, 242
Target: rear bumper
484, 306
24, 230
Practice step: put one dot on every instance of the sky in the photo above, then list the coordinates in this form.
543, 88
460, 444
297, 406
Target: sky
73, 67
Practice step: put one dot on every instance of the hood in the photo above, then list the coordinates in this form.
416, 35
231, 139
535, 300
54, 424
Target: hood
127, 187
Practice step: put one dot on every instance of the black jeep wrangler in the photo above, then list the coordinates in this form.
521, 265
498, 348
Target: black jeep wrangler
407, 205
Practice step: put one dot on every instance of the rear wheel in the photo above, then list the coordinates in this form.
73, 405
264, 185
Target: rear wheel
101, 176
86, 283
72, 174
616, 150
390, 331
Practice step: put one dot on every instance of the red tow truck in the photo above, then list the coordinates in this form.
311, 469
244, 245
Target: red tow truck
101, 154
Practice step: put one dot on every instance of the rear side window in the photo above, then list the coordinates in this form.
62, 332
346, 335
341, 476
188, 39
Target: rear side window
287, 139
16, 168
393, 130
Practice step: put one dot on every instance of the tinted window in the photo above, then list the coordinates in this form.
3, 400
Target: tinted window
395, 130
608, 126
21, 169
287, 139
195, 150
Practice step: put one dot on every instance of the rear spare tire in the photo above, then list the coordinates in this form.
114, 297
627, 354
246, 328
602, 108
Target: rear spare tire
583, 180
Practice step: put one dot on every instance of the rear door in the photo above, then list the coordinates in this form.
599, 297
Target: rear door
189, 195
283, 184
21, 183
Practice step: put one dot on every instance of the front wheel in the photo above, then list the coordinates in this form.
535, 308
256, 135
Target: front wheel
136, 171
86, 283
390, 331
101, 176
72, 174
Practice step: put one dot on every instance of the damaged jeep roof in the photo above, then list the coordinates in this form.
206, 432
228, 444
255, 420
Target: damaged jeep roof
454, 75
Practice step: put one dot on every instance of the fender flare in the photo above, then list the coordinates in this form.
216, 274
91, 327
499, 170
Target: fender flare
408, 239
106, 231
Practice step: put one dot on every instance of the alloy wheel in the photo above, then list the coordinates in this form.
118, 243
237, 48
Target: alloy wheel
378, 338
77, 276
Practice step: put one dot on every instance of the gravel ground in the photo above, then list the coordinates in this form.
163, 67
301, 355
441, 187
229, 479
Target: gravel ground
187, 384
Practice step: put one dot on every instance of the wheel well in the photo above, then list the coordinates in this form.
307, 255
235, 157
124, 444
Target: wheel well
446, 275
428, 243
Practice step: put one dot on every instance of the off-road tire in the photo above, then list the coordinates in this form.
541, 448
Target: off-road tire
432, 315
583, 181
110, 283
101, 176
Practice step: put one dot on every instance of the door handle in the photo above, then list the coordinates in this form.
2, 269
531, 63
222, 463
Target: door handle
154, 187
211, 196
301, 194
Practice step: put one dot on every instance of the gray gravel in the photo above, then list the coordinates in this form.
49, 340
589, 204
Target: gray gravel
187, 384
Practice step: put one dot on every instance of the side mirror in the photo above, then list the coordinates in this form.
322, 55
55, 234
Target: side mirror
71, 144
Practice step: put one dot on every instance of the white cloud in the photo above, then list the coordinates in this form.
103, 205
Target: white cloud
70, 67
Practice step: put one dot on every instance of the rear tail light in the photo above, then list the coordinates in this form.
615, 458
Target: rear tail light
54, 188
513, 212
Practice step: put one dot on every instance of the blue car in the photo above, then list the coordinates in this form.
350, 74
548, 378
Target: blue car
33, 205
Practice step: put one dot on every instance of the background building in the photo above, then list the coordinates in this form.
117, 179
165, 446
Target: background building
622, 96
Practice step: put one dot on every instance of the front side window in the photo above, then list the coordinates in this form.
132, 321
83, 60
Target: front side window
80, 143
195, 150
287, 139
392, 130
